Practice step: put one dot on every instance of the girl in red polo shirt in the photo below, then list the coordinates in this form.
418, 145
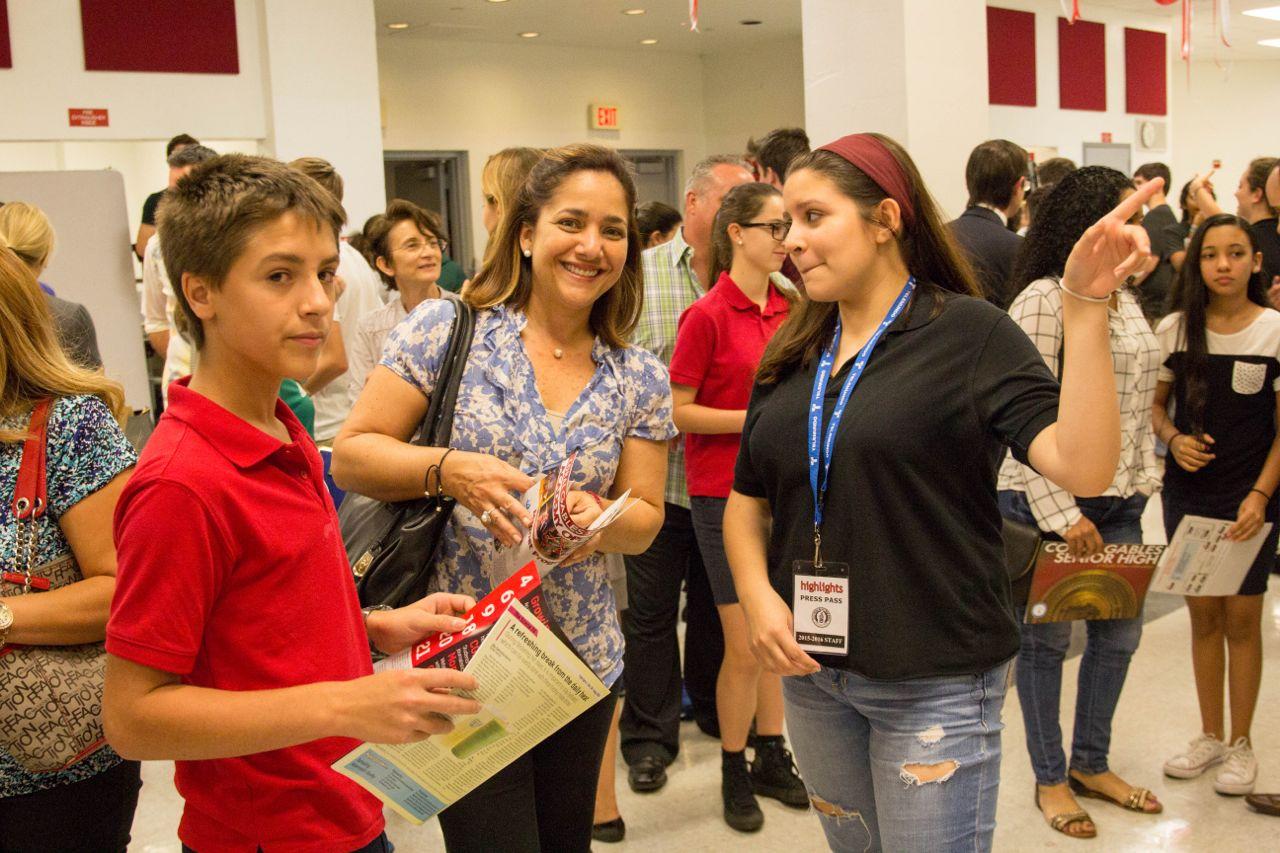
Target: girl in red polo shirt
718, 347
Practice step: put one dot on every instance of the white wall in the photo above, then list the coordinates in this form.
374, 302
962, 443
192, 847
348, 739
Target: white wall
1045, 125
1228, 113
322, 92
479, 98
749, 93
48, 78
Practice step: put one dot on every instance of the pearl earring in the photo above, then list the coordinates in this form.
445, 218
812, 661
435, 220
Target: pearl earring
528, 253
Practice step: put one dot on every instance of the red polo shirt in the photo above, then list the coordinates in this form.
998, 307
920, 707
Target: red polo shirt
232, 575
718, 348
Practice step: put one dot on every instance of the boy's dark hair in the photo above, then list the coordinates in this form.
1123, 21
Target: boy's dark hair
1191, 297
216, 209
192, 155
1259, 169
777, 148
1151, 171
177, 142
378, 231
1053, 170
993, 172
655, 216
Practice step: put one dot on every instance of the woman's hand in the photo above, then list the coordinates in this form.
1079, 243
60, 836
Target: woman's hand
584, 509
773, 642
1191, 453
484, 483
1249, 518
393, 630
1201, 182
1083, 539
1112, 249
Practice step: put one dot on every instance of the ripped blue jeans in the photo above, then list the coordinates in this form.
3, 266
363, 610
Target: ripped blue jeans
901, 765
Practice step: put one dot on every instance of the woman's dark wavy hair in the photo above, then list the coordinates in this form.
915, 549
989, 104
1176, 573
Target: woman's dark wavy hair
1074, 204
1191, 297
930, 252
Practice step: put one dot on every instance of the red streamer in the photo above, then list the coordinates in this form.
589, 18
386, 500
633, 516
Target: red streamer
693, 16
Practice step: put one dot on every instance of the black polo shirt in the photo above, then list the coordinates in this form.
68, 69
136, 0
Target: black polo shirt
911, 501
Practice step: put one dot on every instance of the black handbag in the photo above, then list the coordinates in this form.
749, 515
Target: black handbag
1021, 545
392, 546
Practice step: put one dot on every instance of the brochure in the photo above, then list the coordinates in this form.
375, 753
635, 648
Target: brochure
1202, 561
554, 535
530, 683
1108, 585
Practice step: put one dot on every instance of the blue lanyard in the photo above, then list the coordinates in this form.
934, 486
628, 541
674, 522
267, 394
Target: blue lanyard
820, 467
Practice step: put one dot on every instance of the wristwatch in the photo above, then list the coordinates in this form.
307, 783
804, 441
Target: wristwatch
6, 622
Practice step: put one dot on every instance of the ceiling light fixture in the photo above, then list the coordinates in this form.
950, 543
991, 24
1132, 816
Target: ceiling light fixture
633, 11
497, 1
529, 35
1271, 13
398, 25
648, 41
1270, 42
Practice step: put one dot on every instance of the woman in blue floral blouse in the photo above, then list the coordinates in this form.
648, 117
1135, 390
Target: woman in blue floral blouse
89, 804
549, 372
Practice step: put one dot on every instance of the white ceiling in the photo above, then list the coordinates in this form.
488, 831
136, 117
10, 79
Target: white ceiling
1245, 31
595, 23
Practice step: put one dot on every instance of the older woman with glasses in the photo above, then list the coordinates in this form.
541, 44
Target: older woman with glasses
407, 246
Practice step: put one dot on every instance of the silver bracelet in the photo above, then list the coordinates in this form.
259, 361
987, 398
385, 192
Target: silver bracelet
1097, 300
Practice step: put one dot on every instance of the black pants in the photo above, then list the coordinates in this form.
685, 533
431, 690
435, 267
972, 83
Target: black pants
542, 802
90, 816
650, 723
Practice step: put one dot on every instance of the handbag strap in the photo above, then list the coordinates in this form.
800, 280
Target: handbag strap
437, 426
30, 495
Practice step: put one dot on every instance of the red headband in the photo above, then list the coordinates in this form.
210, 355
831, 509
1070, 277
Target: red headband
872, 156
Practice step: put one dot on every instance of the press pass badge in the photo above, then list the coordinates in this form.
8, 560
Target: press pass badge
820, 608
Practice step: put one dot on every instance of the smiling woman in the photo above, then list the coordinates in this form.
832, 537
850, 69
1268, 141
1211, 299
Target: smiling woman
548, 373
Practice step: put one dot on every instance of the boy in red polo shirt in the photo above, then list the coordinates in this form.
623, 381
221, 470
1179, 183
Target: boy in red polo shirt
236, 641
718, 348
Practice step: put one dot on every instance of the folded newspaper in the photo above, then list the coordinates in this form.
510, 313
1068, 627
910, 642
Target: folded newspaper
530, 683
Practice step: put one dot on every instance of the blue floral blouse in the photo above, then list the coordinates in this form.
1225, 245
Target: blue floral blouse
86, 450
500, 412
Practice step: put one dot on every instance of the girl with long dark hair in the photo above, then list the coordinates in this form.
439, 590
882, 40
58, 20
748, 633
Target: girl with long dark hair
1221, 369
718, 347
874, 513
1085, 524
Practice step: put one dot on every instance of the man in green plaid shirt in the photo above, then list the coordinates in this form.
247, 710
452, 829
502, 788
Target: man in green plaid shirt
674, 276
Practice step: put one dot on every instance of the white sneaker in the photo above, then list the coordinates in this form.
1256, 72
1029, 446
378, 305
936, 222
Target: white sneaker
1202, 753
1239, 770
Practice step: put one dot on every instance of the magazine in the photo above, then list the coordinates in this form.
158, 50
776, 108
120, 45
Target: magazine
530, 683
1108, 585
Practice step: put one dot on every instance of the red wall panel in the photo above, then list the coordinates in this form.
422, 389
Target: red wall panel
1144, 72
6, 56
1082, 66
1011, 57
178, 36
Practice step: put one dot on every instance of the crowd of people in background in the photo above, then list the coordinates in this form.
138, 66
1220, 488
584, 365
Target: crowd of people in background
802, 372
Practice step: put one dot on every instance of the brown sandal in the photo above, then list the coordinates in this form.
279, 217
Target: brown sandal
1135, 802
1063, 822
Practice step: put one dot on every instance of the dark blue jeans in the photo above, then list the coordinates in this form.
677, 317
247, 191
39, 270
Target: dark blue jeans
1108, 650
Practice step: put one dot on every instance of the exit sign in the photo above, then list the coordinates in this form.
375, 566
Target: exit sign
605, 117
87, 118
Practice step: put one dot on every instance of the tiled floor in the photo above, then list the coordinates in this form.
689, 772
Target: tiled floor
1157, 715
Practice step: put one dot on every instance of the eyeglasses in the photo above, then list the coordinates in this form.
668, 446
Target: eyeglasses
415, 247
777, 230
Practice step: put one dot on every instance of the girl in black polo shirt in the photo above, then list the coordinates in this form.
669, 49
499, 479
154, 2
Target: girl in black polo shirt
898, 739
1221, 365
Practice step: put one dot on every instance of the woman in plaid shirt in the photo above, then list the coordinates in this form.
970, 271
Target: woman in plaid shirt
1084, 523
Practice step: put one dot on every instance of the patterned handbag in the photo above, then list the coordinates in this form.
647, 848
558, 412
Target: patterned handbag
51, 696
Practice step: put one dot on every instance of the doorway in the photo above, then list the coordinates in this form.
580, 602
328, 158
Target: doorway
436, 180
657, 176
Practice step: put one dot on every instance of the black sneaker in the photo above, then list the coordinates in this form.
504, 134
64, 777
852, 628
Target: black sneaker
774, 774
648, 774
741, 811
